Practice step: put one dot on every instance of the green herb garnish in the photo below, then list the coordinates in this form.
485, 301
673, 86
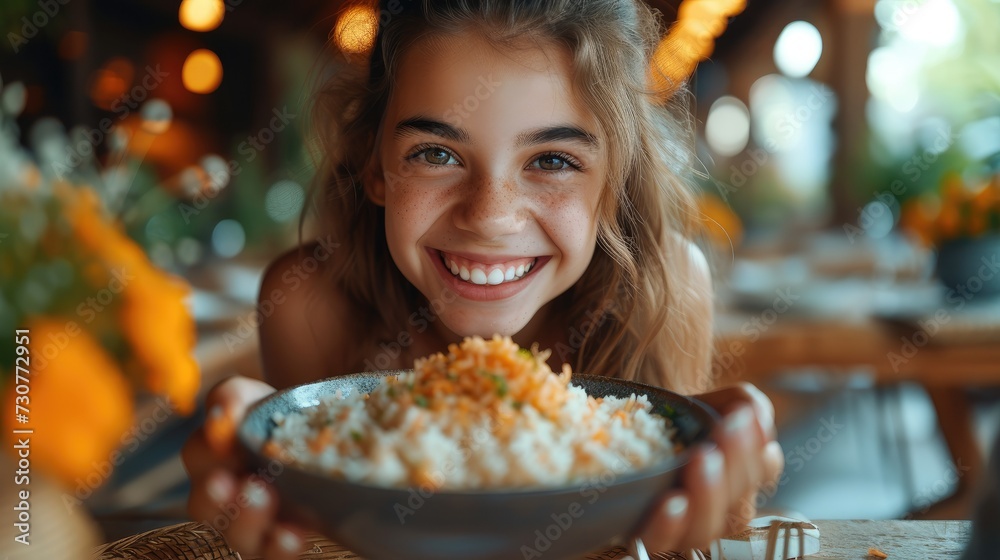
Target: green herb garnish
356, 436
420, 401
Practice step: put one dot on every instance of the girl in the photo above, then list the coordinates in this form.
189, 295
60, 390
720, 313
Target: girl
498, 166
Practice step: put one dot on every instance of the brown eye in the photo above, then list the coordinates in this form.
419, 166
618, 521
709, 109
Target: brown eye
552, 163
437, 156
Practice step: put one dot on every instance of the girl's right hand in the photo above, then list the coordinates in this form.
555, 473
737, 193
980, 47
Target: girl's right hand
240, 505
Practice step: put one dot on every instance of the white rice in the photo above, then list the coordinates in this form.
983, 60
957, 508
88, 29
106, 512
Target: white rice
384, 439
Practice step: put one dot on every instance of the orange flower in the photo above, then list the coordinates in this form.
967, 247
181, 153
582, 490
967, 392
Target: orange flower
722, 226
97, 234
154, 317
161, 332
80, 404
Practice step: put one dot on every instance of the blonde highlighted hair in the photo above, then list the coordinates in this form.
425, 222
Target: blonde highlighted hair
634, 308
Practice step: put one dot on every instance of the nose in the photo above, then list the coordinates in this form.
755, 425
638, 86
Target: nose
491, 208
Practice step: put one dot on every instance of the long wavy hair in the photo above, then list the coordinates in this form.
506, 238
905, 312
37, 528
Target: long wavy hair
632, 308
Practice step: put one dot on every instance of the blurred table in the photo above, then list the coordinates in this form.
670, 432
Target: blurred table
839, 540
798, 312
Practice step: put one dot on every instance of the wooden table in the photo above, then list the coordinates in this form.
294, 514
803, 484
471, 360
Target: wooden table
839, 540
847, 343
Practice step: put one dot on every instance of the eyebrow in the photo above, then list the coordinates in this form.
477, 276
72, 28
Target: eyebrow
555, 134
540, 136
430, 126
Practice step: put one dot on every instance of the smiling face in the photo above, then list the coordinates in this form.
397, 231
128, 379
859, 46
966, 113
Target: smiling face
493, 170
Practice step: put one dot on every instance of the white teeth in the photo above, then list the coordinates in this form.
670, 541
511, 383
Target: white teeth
478, 277
496, 277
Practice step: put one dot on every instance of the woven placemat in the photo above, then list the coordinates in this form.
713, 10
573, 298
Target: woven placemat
198, 541
186, 541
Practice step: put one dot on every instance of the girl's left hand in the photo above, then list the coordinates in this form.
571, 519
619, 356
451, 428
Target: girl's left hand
719, 487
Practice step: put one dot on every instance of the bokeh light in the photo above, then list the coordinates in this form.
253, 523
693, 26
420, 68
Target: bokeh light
798, 49
690, 40
284, 201
727, 129
891, 77
202, 71
228, 238
201, 15
111, 82
935, 23
356, 29
156, 116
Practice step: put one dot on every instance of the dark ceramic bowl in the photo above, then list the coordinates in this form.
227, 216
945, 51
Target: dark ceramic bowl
967, 265
551, 523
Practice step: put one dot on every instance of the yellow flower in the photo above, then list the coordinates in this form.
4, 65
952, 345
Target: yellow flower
79, 402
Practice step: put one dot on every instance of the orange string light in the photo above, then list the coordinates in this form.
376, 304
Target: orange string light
690, 40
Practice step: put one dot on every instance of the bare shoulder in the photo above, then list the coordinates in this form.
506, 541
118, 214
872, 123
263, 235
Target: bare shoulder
692, 303
696, 272
302, 328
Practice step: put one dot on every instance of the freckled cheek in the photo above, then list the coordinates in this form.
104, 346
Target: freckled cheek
411, 208
573, 227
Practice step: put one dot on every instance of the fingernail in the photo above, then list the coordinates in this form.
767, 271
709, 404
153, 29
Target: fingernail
739, 420
218, 488
713, 465
256, 495
287, 540
676, 506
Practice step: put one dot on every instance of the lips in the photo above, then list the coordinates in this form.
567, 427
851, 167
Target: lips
482, 274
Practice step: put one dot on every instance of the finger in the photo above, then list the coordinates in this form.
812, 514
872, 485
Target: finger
208, 497
285, 542
255, 509
707, 499
668, 523
739, 439
774, 462
727, 399
227, 404
200, 459
741, 512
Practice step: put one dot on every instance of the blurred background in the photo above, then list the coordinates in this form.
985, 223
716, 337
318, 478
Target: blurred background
849, 177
